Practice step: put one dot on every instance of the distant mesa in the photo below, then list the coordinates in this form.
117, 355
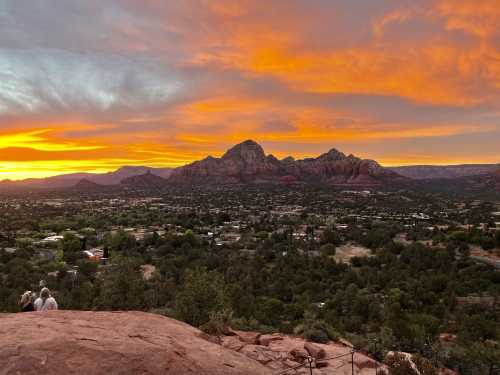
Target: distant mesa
479, 185
423, 172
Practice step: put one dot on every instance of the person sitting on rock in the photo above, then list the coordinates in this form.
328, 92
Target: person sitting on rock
27, 302
45, 302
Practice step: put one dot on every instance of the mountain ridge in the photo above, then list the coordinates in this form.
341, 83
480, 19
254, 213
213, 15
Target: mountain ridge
247, 162
421, 172
73, 179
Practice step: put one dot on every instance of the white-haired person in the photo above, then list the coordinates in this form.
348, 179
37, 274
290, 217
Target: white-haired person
45, 302
26, 302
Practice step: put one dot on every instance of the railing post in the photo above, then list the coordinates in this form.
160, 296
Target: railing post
352, 362
310, 365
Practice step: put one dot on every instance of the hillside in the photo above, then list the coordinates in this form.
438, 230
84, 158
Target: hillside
85, 184
487, 182
80, 342
74, 179
147, 180
483, 186
421, 172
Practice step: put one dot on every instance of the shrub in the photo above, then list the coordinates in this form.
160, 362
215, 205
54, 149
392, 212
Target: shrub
316, 330
219, 323
203, 295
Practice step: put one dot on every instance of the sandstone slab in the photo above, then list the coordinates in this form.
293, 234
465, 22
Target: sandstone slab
79, 342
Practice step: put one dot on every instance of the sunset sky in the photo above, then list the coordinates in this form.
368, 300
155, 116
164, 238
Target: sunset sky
91, 85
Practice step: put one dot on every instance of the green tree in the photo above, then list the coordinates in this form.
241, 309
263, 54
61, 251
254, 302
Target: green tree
330, 236
121, 286
203, 294
120, 241
269, 311
71, 246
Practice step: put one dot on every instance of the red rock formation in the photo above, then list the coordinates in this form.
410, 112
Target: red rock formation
281, 352
247, 337
315, 351
77, 342
247, 162
265, 340
82, 342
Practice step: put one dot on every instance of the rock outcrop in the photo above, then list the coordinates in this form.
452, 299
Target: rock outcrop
78, 342
107, 343
280, 353
84, 342
247, 162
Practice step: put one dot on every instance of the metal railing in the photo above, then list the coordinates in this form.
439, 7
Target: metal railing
310, 364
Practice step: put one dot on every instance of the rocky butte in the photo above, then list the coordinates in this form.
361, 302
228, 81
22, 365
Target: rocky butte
248, 163
147, 180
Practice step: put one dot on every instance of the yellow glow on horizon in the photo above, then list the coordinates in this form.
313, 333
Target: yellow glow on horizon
42, 169
38, 140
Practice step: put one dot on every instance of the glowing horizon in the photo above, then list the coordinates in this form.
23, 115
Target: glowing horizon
41, 169
400, 83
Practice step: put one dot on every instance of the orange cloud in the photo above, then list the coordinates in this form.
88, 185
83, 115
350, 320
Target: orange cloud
399, 15
477, 17
226, 105
366, 72
286, 73
436, 70
312, 133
